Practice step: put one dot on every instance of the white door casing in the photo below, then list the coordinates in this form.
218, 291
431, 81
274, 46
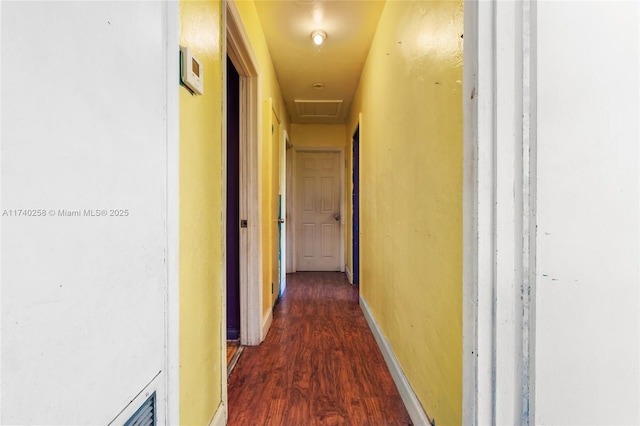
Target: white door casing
238, 48
289, 216
283, 211
318, 211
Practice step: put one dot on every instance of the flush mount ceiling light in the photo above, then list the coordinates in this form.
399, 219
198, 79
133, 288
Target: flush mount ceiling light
318, 85
318, 37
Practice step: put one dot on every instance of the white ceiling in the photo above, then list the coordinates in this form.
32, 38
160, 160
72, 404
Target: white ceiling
337, 63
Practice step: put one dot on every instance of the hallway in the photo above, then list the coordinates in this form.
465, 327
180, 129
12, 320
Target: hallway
319, 364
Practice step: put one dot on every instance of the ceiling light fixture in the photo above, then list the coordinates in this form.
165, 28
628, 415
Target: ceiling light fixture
318, 37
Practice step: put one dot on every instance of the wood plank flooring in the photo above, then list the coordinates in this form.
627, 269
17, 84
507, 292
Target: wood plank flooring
319, 364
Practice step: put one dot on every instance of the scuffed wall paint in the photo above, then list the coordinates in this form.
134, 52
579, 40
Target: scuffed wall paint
201, 231
411, 195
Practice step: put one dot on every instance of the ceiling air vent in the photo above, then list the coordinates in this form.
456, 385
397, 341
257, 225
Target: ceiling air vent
318, 108
146, 414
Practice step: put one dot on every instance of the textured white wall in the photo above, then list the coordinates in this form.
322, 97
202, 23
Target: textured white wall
83, 128
587, 324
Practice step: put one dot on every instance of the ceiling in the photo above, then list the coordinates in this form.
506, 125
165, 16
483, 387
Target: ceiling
336, 64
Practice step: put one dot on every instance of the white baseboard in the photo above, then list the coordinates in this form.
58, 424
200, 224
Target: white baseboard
349, 276
411, 402
220, 416
266, 324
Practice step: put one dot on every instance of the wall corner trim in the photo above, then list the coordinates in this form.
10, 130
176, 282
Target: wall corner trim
349, 276
220, 416
267, 319
411, 402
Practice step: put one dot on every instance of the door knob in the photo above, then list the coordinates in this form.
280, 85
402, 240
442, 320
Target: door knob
281, 220
337, 217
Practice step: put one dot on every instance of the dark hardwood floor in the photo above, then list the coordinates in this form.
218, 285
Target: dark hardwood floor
319, 364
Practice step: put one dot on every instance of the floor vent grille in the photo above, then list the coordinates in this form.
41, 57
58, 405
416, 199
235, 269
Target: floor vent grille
146, 414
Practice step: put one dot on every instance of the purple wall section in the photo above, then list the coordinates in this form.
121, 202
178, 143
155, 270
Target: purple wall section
233, 202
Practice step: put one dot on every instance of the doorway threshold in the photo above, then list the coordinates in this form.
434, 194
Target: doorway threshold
234, 350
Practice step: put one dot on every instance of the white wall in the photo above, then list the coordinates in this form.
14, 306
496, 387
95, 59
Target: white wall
587, 325
551, 213
84, 126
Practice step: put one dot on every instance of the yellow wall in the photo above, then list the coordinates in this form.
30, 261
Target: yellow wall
271, 99
318, 135
411, 195
201, 232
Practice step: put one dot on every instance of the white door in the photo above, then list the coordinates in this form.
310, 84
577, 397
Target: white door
318, 211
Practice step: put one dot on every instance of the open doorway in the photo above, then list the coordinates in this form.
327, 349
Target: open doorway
289, 218
276, 208
355, 199
283, 214
247, 222
233, 205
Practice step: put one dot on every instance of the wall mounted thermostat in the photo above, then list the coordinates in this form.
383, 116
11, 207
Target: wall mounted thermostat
192, 71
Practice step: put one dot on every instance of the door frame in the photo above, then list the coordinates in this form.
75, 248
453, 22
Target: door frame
237, 46
499, 212
290, 213
275, 141
285, 143
354, 275
339, 150
172, 311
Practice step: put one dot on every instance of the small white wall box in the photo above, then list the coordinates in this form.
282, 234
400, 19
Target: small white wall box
192, 71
